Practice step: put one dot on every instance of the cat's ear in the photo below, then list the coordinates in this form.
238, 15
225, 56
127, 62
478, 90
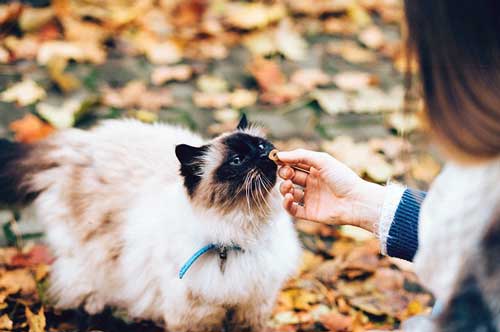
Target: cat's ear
189, 155
243, 122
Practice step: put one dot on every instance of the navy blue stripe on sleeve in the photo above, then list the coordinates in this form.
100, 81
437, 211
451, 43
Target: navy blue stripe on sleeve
403, 235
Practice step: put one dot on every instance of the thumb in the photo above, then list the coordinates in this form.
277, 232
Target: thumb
302, 156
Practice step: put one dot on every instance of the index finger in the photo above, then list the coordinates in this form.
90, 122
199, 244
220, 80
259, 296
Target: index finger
306, 158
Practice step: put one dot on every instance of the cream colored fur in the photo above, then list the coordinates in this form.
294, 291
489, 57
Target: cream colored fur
121, 225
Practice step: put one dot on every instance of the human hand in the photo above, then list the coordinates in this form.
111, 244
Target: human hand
330, 193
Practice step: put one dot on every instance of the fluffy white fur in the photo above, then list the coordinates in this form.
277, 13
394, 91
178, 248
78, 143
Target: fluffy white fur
130, 168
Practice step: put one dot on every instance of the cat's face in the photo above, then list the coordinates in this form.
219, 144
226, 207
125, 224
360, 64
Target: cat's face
231, 172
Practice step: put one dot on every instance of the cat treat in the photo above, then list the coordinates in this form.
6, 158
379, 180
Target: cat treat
273, 155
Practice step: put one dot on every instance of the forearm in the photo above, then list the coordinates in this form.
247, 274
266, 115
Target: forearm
398, 225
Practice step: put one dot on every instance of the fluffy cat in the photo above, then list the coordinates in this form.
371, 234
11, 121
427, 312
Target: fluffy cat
123, 215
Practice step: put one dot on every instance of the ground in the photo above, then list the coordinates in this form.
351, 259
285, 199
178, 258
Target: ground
325, 75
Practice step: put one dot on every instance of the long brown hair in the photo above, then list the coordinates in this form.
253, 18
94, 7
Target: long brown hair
457, 46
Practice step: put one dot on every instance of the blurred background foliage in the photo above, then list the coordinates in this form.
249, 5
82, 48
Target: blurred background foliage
320, 74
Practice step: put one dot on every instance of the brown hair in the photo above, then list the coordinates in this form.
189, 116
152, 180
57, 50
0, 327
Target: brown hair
457, 46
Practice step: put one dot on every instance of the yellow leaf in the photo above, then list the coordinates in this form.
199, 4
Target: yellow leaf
36, 322
24, 93
5, 323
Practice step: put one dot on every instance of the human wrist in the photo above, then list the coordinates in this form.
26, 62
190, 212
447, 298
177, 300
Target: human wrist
367, 205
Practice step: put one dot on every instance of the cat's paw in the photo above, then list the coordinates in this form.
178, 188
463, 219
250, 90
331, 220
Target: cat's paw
94, 304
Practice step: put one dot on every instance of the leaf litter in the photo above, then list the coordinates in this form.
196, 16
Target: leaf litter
324, 56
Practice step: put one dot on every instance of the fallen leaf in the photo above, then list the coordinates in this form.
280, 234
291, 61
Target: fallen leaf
378, 169
135, 94
65, 81
6, 323
78, 51
4, 55
337, 322
319, 7
24, 93
354, 80
351, 51
30, 129
372, 37
19, 280
163, 53
246, 15
289, 42
403, 122
34, 18
145, 116
165, 74
26, 47
37, 254
65, 115
36, 322
241, 98
425, 168
309, 78
332, 101
261, 43
212, 84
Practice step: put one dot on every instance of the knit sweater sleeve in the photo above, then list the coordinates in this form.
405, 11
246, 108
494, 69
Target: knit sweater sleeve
398, 225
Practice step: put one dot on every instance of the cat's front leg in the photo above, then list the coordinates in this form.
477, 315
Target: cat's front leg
248, 317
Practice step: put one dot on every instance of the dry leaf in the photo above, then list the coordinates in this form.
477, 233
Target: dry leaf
30, 129
33, 18
165, 74
245, 15
310, 78
289, 42
241, 98
332, 101
261, 43
351, 51
65, 81
136, 95
372, 37
212, 84
4, 55
319, 7
36, 322
354, 80
19, 280
23, 48
403, 122
425, 168
337, 322
24, 93
67, 114
78, 51
378, 169
163, 53
5, 323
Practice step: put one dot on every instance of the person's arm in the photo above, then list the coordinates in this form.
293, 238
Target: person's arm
331, 193
398, 224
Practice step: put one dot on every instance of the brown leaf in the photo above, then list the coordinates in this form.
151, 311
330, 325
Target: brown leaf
17, 280
37, 254
372, 37
30, 129
267, 73
136, 95
337, 322
354, 80
309, 78
36, 322
165, 74
5, 323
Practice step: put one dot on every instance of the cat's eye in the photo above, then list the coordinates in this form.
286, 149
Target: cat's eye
235, 161
261, 146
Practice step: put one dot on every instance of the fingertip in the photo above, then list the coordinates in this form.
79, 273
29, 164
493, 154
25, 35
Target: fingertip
286, 172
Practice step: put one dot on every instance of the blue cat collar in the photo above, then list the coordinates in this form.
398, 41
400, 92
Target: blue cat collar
209, 247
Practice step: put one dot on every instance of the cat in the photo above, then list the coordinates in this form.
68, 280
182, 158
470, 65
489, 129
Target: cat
127, 204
